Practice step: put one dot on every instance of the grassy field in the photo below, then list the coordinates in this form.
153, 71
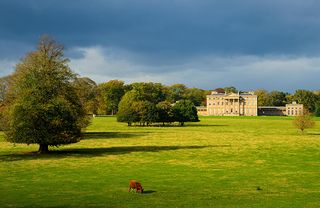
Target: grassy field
218, 162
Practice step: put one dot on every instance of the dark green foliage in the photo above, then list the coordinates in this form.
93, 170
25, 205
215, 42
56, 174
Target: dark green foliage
112, 92
45, 108
176, 92
184, 111
317, 110
164, 112
152, 92
147, 112
145, 105
230, 89
197, 96
132, 110
262, 97
307, 98
276, 98
87, 91
127, 112
4, 86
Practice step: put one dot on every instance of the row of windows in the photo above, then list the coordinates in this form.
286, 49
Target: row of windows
231, 103
294, 112
222, 98
246, 111
294, 108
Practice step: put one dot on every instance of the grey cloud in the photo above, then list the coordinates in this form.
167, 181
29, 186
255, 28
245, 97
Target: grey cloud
246, 72
170, 28
170, 40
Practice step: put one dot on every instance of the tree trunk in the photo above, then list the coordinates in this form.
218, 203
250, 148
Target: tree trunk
43, 149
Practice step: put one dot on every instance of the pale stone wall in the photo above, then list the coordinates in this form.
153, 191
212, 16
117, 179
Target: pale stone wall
202, 111
219, 104
294, 109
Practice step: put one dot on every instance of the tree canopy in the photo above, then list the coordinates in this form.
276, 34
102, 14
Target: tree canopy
307, 98
45, 108
184, 111
145, 104
112, 92
87, 91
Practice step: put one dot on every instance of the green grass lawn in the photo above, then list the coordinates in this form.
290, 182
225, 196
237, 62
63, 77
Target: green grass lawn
218, 162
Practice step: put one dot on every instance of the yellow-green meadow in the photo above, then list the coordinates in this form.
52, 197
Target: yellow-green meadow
217, 162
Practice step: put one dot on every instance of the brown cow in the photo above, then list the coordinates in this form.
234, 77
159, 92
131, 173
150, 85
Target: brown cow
135, 185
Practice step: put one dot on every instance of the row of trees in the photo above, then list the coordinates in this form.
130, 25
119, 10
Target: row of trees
310, 99
104, 98
145, 104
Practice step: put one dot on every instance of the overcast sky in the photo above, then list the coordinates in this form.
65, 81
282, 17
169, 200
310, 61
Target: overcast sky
249, 44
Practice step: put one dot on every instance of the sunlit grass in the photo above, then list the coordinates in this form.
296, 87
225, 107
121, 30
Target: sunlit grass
218, 162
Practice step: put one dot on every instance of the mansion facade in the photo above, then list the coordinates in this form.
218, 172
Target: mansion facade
233, 104
244, 104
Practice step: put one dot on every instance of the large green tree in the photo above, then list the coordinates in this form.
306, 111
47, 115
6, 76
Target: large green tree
45, 108
4, 87
307, 98
230, 89
176, 92
184, 111
149, 91
127, 108
164, 112
317, 109
262, 97
87, 91
196, 95
112, 92
276, 98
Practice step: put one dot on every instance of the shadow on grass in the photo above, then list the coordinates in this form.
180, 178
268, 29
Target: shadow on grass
314, 134
206, 125
176, 125
148, 192
111, 135
96, 152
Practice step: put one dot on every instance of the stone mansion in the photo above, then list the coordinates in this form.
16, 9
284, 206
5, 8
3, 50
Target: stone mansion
243, 104
222, 104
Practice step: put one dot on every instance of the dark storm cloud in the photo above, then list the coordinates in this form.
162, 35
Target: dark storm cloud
160, 39
169, 28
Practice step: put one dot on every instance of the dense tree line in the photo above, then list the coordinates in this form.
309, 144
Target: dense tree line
104, 98
146, 103
310, 99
